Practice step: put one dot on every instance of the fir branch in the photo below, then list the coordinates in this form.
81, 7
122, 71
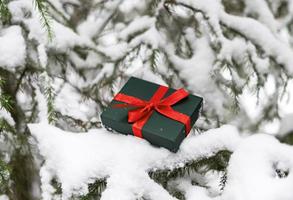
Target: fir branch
5, 126
57, 186
184, 48
154, 59
4, 177
288, 138
95, 190
5, 15
223, 180
42, 7
153, 6
173, 68
218, 162
49, 93
76, 125
59, 13
5, 100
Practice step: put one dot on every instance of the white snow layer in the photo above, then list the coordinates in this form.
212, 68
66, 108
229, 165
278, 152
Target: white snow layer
70, 103
3, 197
77, 159
254, 30
12, 48
252, 170
286, 126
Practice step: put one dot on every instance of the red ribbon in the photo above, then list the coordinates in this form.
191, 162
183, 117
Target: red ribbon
144, 109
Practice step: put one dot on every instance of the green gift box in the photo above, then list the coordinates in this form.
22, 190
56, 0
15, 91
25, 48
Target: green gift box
163, 116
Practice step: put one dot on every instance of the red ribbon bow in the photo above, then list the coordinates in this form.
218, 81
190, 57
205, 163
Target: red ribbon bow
144, 109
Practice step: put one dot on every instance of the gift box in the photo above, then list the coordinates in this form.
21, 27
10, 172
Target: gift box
161, 115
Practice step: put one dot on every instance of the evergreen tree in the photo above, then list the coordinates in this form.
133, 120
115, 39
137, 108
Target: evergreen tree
62, 62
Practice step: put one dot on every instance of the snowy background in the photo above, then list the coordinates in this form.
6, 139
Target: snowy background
62, 61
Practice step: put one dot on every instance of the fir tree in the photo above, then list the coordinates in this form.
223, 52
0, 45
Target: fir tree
79, 53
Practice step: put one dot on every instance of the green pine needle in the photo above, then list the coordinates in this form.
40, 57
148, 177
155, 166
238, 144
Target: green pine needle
223, 181
42, 7
5, 14
154, 59
218, 162
95, 190
4, 176
49, 93
5, 102
288, 138
5, 126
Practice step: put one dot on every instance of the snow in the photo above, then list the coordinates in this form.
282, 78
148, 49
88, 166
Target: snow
128, 6
97, 20
192, 191
12, 48
257, 32
197, 71
18, 9
36, 30
261, 8
4, 197
76, 159
137, 25
42, 105
286, 126
261, 35
105, 72
91, 26
286, 102
212, 7
42, 55
114, 51
251, 173
65, 38
123, 160
7, 116
70, 103
152, 37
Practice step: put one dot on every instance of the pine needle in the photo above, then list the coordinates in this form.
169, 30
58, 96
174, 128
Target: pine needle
49, 93
5, 15
5, 100
42, 7
4, 176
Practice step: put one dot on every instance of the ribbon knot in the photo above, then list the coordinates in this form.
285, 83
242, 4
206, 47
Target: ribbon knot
144, 109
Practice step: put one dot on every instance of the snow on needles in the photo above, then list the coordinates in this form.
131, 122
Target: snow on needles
12, 48
257, 32
252, 173
252, 170
77, 159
